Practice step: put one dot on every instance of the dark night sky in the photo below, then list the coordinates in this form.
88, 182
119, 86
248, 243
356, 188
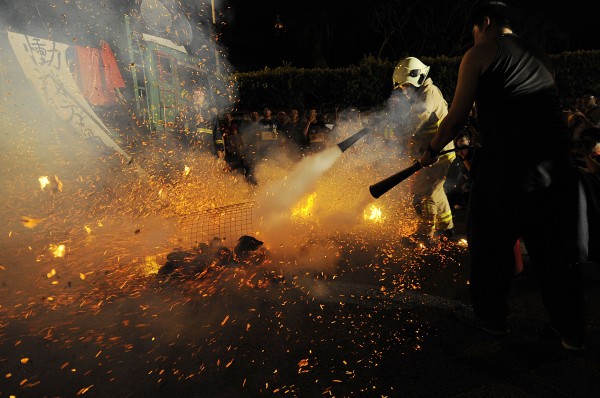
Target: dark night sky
339, 33
318, 33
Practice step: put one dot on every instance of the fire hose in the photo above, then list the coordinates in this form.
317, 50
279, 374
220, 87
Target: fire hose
390, 182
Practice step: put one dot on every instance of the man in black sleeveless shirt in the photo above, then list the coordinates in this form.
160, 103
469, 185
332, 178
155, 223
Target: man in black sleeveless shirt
523, 181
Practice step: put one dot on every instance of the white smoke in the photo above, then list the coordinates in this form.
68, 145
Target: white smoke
336, 185
107, 211
104, 207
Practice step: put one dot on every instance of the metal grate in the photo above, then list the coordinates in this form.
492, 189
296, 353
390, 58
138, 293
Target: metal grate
225, 223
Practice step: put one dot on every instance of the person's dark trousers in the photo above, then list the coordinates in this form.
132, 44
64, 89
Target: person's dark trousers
550, 227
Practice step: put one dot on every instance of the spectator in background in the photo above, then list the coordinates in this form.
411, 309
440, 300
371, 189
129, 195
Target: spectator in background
250, 140
315, 132
268, 133
293, 131
267, 120
588, 150
282, 120
586, 115
232, 141
460, 170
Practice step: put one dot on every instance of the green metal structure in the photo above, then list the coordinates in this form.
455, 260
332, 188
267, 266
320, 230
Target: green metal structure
164, 77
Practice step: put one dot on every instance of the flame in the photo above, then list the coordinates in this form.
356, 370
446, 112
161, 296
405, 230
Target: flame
44, 182
55, 185
58, 250
373, 214
303, 209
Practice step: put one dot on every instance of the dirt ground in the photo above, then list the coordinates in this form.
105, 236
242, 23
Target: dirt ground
379, 325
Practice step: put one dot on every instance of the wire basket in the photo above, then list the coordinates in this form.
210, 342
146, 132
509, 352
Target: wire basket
225, 224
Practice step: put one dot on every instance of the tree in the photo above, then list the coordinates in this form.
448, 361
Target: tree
420, 28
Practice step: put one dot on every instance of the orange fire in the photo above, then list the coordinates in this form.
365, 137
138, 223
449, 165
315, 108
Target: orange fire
58, 250
44, 182
304, 208
374, 214
56, 184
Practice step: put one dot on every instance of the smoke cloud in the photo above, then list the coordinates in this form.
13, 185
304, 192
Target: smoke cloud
119, 206
87, 189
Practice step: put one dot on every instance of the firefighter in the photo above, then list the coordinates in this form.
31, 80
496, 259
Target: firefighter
204, 125
427, 109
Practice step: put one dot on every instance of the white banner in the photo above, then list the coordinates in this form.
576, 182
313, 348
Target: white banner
44, 64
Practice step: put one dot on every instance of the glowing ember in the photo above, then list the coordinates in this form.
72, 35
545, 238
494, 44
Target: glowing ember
59, 184
186, 170
44, 182
87, 229
30, 222
374, 214
151, 266
463, 242
303, 209
58, 250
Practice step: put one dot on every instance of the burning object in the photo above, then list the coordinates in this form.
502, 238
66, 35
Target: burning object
374, 214
204, 256
245, 246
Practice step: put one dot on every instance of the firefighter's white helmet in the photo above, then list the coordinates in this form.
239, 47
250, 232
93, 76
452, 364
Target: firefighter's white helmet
410, 70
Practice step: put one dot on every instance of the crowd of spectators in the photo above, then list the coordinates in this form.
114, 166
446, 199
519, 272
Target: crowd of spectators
249, 137
242, 140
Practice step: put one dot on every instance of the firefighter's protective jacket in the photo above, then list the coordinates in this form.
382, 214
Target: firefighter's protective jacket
429, 108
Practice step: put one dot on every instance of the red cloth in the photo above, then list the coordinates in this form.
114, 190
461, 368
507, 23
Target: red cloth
88, 75
112, 75
98, 89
